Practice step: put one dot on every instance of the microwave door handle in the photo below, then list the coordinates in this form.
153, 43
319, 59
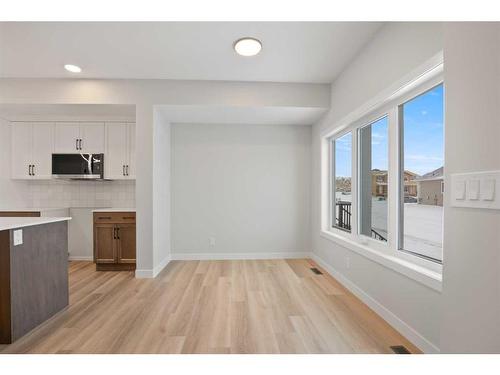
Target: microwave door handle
89, 162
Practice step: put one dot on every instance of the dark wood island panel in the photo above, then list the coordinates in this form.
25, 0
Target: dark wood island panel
33, 278
20, 214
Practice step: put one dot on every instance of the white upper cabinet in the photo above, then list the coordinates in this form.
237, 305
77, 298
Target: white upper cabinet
67, 138
22, 143
115, 157
119, 156
32, 147
74, 137
92, 138
33, 144
43, 147
131, 150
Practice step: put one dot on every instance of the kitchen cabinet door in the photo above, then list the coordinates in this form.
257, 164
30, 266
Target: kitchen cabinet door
131, 151
67, 135
43, 147
105, 243
126, 240
92, 137
115, 156
21, 152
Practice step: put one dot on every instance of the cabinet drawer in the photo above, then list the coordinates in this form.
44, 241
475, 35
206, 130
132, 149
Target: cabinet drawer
114, 217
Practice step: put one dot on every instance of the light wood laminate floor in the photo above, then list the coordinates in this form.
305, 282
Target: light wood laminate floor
240, 306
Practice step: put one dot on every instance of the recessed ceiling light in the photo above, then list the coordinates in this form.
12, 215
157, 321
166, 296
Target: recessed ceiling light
72, 68
247, 46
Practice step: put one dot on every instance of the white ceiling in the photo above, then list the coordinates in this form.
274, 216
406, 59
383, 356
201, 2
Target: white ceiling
292, 51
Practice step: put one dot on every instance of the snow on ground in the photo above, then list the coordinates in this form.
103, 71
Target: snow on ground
423, 229
423, 225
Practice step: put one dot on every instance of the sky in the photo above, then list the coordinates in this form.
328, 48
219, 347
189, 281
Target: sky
423, 123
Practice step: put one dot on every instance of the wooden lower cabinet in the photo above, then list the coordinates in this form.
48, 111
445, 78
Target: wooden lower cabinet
126, 243
114, 241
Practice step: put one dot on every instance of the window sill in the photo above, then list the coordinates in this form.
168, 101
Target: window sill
427, 277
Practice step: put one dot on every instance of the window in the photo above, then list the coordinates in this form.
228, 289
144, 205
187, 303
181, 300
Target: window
342, 182
382, 183
422, 166
373, 171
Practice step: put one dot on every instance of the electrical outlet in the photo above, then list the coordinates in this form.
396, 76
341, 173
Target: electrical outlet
18, 237
347, 262
211, 241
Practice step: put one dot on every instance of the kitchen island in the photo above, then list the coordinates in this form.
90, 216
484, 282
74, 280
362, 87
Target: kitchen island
33, 273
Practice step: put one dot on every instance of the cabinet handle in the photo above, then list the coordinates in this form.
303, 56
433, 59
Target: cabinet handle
104, 217
76, 144
29, 169
127, 169
128, 217
80, 143
117, 233
33, 169
123, 169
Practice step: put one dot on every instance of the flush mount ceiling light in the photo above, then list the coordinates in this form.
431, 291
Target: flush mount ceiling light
247, 46
72, 68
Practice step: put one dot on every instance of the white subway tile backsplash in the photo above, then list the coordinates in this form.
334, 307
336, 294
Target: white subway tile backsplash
59, 193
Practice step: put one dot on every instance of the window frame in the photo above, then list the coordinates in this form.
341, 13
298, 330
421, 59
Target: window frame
385, 252
400, 125
331, 214
374, 118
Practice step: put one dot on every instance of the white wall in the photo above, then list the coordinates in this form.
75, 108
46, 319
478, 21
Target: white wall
397, 50
247, 186
161, 192
471, 278
147, 93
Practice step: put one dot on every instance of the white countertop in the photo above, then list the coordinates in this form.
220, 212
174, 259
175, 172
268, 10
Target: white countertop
114, 209
7, 223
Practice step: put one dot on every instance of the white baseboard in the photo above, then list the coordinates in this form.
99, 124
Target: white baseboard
76, 257
411, 334
152, 273
237, 256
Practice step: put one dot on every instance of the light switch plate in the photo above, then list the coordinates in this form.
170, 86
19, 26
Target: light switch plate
473, 189
18, 237
488, 189
460, 190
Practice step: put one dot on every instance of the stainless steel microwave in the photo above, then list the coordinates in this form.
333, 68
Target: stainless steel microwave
78, 166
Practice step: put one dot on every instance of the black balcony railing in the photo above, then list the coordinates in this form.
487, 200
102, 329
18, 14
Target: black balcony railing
343, 219
378, 236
